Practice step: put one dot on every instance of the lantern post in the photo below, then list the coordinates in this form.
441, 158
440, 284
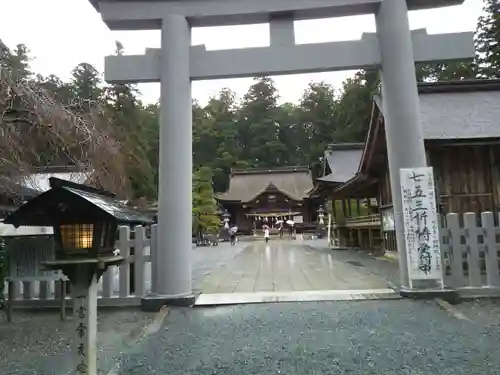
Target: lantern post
85, 222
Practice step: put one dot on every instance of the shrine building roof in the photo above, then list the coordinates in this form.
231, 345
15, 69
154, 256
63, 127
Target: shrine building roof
247, 184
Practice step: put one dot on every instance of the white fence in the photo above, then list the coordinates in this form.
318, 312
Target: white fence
122, 285
470, 248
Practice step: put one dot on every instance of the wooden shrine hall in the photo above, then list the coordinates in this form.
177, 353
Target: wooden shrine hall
461, 128
262, 196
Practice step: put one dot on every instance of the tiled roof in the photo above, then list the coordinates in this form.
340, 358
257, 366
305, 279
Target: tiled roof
460, 110
343, 161
246, 185
460, 115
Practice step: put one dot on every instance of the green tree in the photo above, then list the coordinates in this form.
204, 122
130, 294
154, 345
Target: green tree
257, 125
205, 217
86, 87
488, 40
316, 114
19, 63
353, 111
215, 137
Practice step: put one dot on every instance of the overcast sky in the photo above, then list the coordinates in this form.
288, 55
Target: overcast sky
63, 33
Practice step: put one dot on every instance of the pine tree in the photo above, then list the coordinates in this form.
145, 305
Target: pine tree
205, 218
258, 127
488, 40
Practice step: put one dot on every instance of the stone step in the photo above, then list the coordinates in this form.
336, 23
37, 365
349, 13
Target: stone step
217, 299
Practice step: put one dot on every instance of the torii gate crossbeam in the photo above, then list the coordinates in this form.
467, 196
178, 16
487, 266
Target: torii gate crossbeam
394, 50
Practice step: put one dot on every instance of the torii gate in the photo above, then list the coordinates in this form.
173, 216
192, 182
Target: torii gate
394, 49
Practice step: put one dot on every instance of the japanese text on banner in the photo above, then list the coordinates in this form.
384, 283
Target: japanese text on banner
421, 224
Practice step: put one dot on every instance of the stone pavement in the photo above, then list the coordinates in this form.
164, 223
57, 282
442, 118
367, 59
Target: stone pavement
283, 265
205, 259
359, 338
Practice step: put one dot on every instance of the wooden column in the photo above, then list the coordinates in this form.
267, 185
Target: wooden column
334, 209
344, 208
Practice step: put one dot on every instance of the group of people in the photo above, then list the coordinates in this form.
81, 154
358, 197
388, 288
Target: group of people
281, 230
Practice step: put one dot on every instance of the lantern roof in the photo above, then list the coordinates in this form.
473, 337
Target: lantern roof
71, 203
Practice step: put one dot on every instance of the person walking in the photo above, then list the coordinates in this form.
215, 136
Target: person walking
232, 233
266, 234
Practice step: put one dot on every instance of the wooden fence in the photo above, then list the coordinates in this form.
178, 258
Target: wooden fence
470, 250
122, 285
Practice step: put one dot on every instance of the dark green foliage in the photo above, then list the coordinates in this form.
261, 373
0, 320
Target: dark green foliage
205, 216
488, 40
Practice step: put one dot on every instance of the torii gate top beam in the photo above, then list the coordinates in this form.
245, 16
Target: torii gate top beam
147, 14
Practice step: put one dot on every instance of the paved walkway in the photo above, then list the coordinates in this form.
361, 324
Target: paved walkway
287, 266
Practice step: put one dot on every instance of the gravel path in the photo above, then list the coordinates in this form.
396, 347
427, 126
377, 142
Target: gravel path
382, 337
40, 344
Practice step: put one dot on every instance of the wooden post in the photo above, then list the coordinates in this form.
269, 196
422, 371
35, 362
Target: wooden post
124, 246
471, 232
349, 208
155, 272
62, 301
334, 210
490, 254
85, 320
10, 302
358, 207
139, 245
456, 253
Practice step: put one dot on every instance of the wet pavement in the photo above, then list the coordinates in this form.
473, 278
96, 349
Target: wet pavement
204, 260
283, 265
360, 338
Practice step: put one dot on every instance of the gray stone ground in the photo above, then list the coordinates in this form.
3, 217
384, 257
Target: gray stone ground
385, 268
370, 337
205, 259
284, 265
39, 343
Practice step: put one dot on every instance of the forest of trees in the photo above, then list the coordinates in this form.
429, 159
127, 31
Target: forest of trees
257, 131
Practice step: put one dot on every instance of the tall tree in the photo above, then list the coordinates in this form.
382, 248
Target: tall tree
316, 111
354, 106
215, 136
20, 63
205, 217
86, 86
258, 128
488, 40
122, 97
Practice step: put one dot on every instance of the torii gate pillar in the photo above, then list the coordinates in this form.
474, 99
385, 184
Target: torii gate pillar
404, 137
175, 172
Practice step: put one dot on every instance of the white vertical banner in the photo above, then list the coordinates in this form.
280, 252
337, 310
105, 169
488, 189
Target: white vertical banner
421, 224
